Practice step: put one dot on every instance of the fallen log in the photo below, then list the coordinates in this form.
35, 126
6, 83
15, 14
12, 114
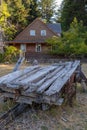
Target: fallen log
11, 114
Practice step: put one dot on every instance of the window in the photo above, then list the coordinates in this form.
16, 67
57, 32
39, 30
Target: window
32, 32
43, 32
38, 48
23, 47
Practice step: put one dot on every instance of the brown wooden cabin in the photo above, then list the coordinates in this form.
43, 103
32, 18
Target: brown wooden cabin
33, 38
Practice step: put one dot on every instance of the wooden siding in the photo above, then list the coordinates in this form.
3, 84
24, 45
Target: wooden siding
31, 41
46, 84
36, 25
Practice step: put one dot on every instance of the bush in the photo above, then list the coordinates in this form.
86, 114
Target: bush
72, 43
10, 54
1, 57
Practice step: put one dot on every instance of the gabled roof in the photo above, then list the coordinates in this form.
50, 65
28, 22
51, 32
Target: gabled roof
37, 24
56, 27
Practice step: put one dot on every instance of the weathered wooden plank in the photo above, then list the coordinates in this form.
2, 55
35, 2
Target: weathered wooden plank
40, 84
46, 79
46, 82
12, 76
61, 81
18, 64
20, 99
50, 81
24, 76
37, 99
24, 84
39, 75
21, 84
12, 87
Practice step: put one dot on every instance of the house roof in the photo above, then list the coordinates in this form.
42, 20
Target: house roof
24, 36
56, 27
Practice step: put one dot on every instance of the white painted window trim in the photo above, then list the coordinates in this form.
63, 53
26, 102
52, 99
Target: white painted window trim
43, 32
32, 33
36, 49
23, 47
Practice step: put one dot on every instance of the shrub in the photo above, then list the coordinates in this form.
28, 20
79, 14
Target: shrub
1, 57
72, 43
10, 54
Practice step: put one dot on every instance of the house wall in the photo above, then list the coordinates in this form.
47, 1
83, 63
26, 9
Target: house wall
30, 47
17, 46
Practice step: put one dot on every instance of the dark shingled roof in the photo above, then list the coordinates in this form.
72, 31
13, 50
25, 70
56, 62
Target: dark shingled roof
55, 27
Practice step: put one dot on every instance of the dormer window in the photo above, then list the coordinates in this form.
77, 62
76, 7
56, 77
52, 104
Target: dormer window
43, 32
32, 32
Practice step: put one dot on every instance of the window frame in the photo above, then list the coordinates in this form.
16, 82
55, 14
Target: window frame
43, 32
38, 48
32, 32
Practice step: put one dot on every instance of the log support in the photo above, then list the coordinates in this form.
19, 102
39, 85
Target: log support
45, 106
69, 91
17, 94
81, 78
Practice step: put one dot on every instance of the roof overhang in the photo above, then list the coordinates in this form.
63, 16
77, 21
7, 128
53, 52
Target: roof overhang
28, 42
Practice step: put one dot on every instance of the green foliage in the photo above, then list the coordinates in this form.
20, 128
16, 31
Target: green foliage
10, 54
73, 42
47, 9
15, 15
71, 9
4, 13
33, 11
18, 13
1, 57
56, 45
9, 29
9, 32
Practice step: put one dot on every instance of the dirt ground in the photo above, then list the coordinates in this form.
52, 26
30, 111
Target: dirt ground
56, 118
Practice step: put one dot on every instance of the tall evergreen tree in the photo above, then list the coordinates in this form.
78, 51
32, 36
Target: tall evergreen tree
32, 7
18, 13
47, 9
8, 29
71, 9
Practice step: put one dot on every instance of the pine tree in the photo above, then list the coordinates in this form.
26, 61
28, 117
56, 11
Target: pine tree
47, 9
71, 9
18, 13
33, 11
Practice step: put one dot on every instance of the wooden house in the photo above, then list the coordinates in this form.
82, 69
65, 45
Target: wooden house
33, 38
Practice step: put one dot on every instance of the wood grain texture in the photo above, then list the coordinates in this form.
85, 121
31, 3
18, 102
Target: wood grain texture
39, 84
